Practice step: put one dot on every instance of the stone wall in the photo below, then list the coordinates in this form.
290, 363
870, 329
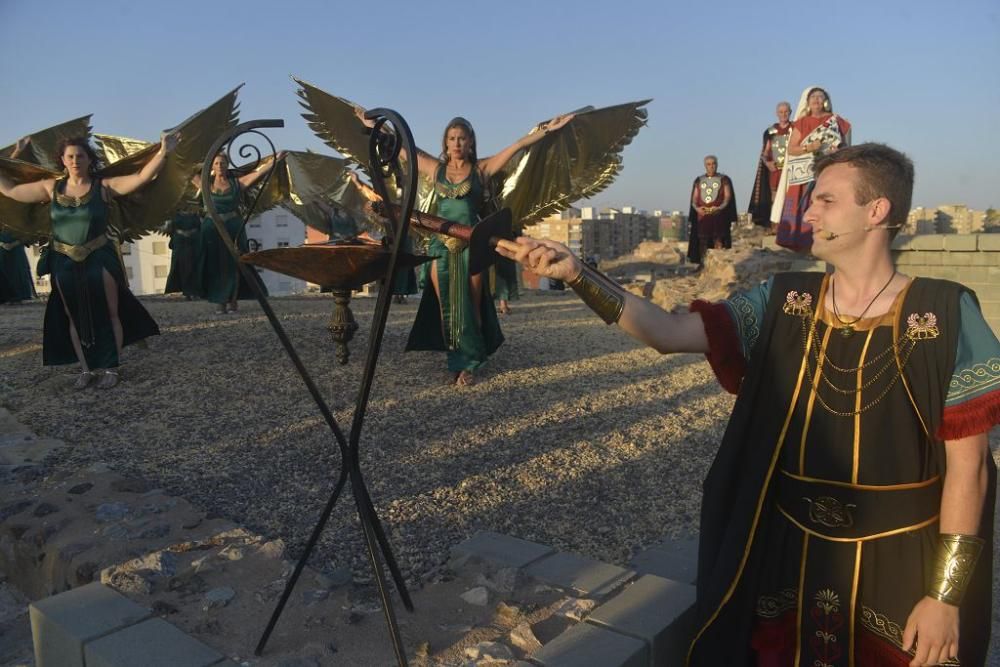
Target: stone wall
970, 259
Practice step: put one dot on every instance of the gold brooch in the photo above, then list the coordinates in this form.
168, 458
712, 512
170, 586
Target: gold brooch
798, 304
922, 327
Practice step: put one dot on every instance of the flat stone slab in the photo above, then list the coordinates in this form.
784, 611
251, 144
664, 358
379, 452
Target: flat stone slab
584, 576
152, 643
501, 550
586, 645
670, 559
62, 624
656, 610
28, 451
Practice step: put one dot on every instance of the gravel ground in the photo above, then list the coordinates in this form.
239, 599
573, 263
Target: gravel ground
574, 435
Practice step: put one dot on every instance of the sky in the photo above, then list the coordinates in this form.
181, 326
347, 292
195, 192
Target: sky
920, 75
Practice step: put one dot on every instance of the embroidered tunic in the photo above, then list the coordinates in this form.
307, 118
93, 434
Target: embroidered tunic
848, 497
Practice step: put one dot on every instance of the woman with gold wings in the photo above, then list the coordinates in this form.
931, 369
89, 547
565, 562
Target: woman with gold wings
567, 158
38, 148
454, 303
15, 273
91, 314
219, 278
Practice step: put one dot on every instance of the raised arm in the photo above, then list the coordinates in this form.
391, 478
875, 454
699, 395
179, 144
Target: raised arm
37, 192
495, 163
643, 320
123, 185
249, 179
19, 147
427, 164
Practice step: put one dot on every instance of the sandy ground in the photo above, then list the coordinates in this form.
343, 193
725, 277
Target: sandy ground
574, 435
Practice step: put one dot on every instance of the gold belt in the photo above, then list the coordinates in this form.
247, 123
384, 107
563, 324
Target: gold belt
79, 253
10, 246
840, 511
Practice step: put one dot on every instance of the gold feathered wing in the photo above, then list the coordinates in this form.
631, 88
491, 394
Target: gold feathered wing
147, 208
44, 145
305, 183
574, 162
332, 119
30, 222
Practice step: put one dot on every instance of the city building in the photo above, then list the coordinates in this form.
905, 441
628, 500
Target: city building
945, 219
277, 228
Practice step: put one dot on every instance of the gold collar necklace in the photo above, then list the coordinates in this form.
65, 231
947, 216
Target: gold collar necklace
846, 328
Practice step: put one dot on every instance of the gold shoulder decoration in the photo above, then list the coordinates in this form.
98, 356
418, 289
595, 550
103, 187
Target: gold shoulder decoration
922, 327
798, 304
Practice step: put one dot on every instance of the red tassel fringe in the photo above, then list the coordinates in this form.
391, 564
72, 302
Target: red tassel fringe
725, 355
972, 417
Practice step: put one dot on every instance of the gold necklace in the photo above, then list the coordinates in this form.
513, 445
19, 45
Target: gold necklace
846, 329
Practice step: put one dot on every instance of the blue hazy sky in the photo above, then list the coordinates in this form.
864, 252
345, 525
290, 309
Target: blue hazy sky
921, 75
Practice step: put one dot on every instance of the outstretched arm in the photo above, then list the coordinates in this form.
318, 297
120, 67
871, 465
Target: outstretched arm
249, 179
123, 185
427, 164
27, 193
495, 163
664, 332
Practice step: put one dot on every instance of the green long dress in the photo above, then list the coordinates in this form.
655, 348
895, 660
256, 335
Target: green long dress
450, 324
185, 240
15, 273
78, 287
220, 280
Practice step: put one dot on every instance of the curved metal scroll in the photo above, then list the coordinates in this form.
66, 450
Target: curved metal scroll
385, 152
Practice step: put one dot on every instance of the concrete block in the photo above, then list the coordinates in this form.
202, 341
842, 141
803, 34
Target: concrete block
62, 624
990, 243
960, 242
902, 242
670, 559
927, 242
584, 576
656, 610
28, 451
152, 643
973, 275
983, 258
932, 258
808, 265
586, 645
501, 550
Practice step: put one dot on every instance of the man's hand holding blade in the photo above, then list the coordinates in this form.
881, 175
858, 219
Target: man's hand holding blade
554, 260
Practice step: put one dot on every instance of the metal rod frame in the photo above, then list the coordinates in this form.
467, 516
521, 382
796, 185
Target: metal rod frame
384, 151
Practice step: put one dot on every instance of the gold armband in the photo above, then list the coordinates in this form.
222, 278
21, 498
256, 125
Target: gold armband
604, 296
956, 559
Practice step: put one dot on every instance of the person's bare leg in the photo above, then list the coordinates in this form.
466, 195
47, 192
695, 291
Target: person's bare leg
86, 375
437, 292
110, 377
111, 294
476, 288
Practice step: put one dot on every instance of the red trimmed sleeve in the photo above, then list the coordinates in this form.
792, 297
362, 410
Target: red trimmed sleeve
975, 416
725, 354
